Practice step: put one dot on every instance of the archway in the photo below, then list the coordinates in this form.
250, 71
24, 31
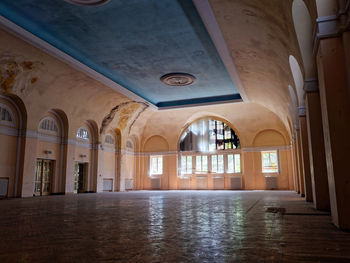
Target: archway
13, 123
209, 154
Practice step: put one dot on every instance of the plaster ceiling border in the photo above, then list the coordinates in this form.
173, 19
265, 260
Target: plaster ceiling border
206, 13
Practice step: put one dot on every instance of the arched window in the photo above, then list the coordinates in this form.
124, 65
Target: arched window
48, 125
209, 135
209, 146
109, 139
129, 145
83, 134
6, 116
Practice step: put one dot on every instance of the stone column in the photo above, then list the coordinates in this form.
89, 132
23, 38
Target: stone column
332, 58
70, 166
300, 164
305, 154
296, 168
29, 163
318, 167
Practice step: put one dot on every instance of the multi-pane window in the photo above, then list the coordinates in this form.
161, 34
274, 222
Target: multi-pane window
269, 162
233, 163
156, 165
209, 135
109, 139
48, 124
186, 164
201, 164
5, 115
83, 134
217, 163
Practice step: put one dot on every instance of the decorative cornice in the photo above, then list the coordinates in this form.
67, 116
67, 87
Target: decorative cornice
267, 148
10, 131
302, 111
49, 138
311, 85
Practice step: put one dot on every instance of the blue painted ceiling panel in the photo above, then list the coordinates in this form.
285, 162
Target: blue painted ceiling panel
134, 43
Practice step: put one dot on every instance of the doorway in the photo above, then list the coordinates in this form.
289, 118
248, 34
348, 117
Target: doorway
43, 177
80, 177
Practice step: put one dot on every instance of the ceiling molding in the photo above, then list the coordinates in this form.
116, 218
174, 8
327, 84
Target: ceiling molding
206, 13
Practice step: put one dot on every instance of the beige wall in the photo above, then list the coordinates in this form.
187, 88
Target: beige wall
82, 100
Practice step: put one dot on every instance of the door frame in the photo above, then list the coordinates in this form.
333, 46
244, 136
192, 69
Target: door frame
51, 178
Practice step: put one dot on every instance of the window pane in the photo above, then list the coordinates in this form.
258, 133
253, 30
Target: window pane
237, 163
269, 162
183, 164
220, 163
204, 163
214, 163
189, 164
230, 163
160, 165
153, 165
198, 163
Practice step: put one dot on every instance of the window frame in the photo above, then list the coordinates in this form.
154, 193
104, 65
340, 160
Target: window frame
151, 157
11, 123
49, 131
217, 163
81, 138
234, 163
201, 171
277, 161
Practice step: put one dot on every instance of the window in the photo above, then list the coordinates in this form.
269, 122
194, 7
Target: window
109, 139
5, 115
186, 164
83, 134
201, 164
156, 165
233, 163
209, 135
269, 162
217, 163
48, 124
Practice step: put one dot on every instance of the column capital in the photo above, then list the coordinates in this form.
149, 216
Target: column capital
311, 85
301, 111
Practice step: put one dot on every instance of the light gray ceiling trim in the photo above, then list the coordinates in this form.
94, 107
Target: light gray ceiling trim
206, 13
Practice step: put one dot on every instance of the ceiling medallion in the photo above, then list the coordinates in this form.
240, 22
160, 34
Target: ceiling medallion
178, 79
87, 2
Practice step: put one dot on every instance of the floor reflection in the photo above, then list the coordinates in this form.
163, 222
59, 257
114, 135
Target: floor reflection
173, 226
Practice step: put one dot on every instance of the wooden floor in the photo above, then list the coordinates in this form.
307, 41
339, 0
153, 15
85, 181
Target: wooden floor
169, 226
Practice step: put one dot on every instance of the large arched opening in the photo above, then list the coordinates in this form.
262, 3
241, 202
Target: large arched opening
209, 156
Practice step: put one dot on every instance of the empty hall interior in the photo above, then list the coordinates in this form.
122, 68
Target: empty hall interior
174, 131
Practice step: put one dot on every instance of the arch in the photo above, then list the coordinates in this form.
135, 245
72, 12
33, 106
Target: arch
269, 137
156, 143
52, 136
196, 136
303, 29
95, 139
298, 79
13, 141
